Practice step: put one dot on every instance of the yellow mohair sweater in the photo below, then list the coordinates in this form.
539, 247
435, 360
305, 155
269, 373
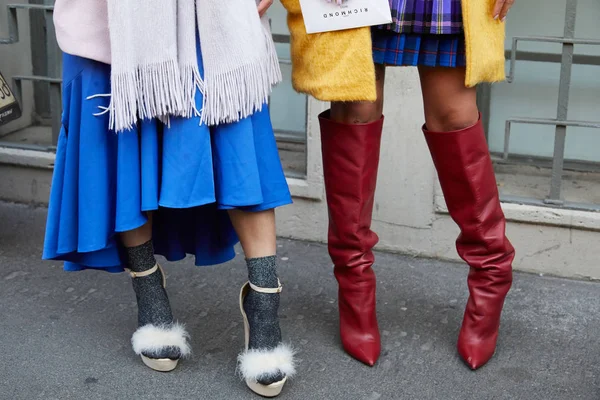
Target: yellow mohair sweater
338, 66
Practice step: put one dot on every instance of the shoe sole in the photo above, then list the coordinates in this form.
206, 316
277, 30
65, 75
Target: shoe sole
160, 364
272, 390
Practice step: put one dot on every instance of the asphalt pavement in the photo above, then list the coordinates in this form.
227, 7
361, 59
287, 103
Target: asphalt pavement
66, 335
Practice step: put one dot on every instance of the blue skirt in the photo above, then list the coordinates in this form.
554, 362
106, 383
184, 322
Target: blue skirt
187, 173
411, 49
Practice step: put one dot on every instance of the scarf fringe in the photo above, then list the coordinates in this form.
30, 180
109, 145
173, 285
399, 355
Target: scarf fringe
151, 90
237, 94
234, 95
151, 81
273, 67
191, 81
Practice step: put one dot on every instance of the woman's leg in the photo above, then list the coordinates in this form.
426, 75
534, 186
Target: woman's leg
449, 105
267, 360
256, 231
350, 138
157, 338
456, 140
138, 236
362, 112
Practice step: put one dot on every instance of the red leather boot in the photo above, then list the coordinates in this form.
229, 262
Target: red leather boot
467, 178
350, 162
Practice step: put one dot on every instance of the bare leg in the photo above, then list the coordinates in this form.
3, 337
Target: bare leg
138, 236
459, 150
362, 112
449, 105
256, 231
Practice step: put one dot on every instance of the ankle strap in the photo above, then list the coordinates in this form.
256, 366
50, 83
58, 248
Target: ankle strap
142, 273
149, 272
278, 289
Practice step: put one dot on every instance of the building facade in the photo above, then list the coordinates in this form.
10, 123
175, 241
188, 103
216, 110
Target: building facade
548, 171
543, 130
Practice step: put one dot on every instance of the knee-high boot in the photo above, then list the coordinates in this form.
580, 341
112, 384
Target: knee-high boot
468, 182
350, 163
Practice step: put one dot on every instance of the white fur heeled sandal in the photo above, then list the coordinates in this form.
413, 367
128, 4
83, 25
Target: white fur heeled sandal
152, 338
255, 363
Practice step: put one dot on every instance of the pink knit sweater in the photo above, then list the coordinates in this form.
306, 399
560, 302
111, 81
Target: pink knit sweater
82, 28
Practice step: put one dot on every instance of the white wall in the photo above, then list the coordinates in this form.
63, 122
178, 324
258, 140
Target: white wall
15, 59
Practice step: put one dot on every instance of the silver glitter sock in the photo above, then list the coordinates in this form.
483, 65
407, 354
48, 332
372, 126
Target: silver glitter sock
152, 299
261, 309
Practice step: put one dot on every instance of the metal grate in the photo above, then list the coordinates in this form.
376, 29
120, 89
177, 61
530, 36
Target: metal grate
566, 59
53, 61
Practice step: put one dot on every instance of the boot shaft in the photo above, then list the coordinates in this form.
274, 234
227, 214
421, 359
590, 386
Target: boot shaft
467, 178
350, 164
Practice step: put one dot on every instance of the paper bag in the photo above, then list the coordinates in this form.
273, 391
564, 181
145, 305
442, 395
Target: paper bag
321, 16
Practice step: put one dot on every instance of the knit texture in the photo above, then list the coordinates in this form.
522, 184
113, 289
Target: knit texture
261, 310
154, 70
153, 303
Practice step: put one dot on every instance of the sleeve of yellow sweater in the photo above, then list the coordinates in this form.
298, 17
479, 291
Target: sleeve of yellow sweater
484, 42
331, 66
338, 66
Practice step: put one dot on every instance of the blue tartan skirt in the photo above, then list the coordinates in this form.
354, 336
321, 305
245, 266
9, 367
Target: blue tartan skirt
410, 49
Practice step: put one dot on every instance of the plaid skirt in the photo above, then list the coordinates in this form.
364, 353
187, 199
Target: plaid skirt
434, 17
410, 49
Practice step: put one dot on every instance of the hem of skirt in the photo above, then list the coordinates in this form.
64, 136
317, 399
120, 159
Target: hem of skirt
110, 269
199, 203
419, 65
163, 205
88, 249
228, 256
127, 228
221, 206
258, 207
115, 269
391, 30
65, 259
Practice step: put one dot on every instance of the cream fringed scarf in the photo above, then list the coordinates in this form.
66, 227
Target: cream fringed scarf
155, 71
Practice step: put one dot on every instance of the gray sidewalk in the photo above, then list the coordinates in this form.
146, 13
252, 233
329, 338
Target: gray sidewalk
66, 335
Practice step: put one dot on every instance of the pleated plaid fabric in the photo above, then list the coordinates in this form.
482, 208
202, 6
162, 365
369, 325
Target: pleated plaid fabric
435, 17
410, 49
